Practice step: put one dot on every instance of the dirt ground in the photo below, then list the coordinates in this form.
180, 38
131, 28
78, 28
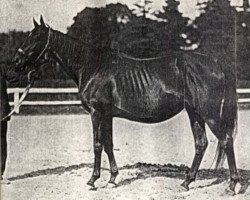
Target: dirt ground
51, 158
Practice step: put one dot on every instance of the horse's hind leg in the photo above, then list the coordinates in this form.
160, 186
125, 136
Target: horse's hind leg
198, 128
108, 147
225, 138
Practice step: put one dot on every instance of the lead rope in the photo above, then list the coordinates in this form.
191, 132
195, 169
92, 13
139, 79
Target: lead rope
31, 83
25, 93
19, 103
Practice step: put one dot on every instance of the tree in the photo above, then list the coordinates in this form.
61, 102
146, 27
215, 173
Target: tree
174, 25
145, 37
143, 8
142, 38
100, 26
243, 41
217, 25
117, 27
136, 37
223, 35
10, 42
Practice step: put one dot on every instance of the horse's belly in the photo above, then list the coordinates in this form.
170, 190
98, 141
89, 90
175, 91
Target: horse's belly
150, 110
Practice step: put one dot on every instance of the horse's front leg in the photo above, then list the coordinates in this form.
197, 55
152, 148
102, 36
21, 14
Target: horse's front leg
98, 146
108, 146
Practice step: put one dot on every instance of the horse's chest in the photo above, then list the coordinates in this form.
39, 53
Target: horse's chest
95, 93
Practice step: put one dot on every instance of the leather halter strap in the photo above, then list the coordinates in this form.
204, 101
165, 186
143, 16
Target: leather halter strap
20, 50
46, 46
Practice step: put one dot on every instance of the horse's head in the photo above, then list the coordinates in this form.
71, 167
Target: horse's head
33, 52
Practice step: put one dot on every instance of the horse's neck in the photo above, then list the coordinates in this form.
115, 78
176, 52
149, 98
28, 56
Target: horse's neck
70, 55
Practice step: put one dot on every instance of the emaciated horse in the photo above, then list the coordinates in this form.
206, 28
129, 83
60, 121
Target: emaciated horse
143, 90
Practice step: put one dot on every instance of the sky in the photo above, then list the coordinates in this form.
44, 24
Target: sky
18, 14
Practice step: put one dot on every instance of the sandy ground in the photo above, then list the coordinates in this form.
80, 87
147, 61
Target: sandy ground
51, 157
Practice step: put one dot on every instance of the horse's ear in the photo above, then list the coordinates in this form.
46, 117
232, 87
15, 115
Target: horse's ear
35, 23
42, 21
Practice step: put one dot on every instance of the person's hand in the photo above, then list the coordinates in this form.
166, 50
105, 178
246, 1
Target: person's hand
12, 77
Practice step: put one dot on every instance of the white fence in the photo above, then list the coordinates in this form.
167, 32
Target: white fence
18, 91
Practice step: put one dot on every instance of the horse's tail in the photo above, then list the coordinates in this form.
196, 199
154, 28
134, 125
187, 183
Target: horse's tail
229, 116
220, 156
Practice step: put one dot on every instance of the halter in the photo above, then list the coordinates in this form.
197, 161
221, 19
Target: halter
46, 46
20, 50
29, 78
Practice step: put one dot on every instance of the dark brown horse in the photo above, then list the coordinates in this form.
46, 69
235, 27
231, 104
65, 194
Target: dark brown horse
144, 90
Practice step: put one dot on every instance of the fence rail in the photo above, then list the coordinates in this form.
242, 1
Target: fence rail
18, 91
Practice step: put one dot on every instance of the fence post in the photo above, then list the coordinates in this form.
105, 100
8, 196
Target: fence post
16, 100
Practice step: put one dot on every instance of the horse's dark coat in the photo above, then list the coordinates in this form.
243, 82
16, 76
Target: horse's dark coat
145, 90
136, 90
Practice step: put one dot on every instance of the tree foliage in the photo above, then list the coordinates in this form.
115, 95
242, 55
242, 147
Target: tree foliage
222, 33
143, 8
243, 42
142, 38
131, 31
217, 25
174, 25
115, 27
99, 26
10, 42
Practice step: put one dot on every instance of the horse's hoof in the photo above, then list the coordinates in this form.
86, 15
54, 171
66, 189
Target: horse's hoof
185, 186
93, 189
113, 177
111, 185
92, 186
231, 189
91, 183
230, 192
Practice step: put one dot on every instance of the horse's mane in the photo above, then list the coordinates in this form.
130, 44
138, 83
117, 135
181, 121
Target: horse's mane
86, 45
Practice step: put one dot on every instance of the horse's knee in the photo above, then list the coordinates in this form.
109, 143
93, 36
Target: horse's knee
200, 138
201, 146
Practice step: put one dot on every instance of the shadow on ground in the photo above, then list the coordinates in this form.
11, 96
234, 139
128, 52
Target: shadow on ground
148, 171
